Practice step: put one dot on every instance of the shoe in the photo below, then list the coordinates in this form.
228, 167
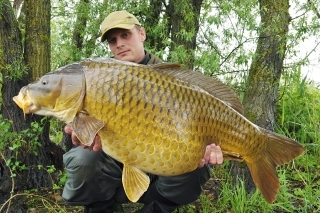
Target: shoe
156, 207
103, 207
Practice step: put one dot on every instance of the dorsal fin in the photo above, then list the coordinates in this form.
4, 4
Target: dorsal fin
211, 85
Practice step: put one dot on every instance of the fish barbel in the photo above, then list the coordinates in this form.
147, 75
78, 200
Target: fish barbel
157, 119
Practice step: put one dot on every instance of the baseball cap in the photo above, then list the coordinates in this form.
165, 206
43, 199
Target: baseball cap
118, 19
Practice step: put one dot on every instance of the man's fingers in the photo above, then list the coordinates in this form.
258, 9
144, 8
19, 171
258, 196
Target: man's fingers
207, 154
202, 163
216, 156
97, 146
68, 129
75, 139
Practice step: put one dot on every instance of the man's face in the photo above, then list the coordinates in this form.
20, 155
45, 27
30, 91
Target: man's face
127, 45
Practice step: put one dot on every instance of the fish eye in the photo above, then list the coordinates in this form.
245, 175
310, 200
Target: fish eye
44, 81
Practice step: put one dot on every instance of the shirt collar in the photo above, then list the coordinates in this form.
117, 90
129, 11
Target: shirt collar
145, 59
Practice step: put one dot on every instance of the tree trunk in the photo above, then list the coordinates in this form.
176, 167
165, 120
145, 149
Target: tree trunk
80, 24
11, 64
265, 72
83, 37
37, 54
184, 19
37, 42
152, 20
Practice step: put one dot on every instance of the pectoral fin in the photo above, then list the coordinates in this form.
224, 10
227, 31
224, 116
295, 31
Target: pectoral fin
86, 127
135, 182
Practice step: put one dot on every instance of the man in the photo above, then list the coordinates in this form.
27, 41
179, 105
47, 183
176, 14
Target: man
94, 178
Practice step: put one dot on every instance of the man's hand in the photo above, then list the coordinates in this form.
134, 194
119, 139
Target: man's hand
213, 155
95, 146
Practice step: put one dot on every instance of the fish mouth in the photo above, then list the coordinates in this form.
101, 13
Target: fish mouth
24, 103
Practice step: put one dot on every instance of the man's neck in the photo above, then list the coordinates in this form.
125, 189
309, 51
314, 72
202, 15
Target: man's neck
145, 59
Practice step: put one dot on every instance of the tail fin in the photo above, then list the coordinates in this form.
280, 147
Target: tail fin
279, 150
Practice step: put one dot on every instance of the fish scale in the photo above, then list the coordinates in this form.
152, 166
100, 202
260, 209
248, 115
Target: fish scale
157, 119
121, 78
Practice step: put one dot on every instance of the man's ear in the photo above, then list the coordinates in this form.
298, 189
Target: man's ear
143, 34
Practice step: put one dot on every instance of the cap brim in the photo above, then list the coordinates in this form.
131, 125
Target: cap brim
121, 26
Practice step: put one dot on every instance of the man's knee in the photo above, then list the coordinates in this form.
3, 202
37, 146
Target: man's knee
79, 162
92, 176
178, 190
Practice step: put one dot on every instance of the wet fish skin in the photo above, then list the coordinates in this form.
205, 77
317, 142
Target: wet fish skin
160, 118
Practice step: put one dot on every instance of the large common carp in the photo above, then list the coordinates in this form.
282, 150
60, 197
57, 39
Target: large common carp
157, 119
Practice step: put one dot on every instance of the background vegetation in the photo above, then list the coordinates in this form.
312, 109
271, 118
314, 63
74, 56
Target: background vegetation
230, 40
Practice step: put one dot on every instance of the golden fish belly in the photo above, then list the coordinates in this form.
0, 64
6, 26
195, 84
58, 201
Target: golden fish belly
162, 125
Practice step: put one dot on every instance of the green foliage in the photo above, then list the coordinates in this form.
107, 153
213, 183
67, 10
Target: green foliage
64, 50
56, 130
293, 196
16, 70
299, 110
25, 141
226, 41
18, 144
299, 118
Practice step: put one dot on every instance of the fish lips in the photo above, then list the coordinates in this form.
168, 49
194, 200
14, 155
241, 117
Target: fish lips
24, 102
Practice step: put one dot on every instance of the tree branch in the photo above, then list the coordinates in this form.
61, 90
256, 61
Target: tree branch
314, 9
